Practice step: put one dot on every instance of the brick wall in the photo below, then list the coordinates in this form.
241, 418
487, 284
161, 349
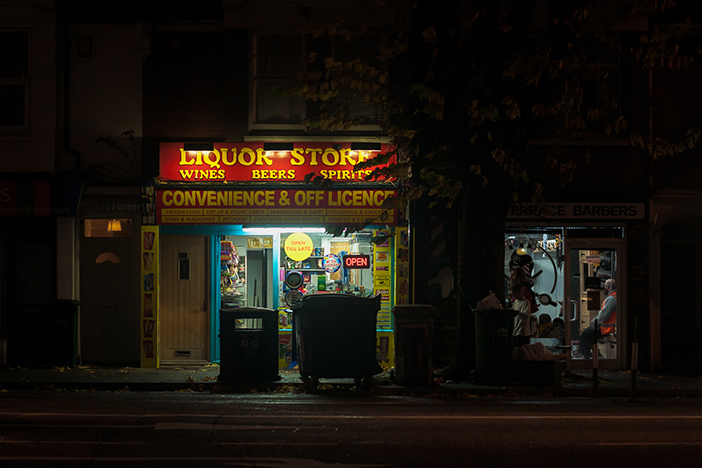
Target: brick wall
195, 86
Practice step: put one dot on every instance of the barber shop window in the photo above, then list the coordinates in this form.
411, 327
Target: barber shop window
14, 81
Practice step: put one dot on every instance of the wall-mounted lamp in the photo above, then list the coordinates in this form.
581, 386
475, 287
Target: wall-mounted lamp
365, 146
274, 146
114, 225
198, 146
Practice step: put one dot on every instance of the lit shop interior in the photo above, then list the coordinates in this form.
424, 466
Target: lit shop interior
276, 267
581, 266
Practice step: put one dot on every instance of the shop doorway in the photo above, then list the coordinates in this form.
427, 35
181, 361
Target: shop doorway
109, 319
593, 276
184, 309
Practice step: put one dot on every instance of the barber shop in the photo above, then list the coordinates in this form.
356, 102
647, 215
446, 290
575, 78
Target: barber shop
575, 257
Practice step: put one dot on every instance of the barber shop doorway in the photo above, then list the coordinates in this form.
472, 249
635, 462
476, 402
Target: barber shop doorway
569, 267
593, 272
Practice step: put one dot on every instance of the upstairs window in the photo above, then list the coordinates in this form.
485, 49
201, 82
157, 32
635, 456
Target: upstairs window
279, 60
14, 81
362, 47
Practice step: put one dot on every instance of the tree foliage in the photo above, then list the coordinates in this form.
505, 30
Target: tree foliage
467, 86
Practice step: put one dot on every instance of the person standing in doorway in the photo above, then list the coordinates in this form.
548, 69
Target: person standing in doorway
604, 324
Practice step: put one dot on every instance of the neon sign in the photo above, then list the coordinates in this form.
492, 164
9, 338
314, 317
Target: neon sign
356, 261
250, 162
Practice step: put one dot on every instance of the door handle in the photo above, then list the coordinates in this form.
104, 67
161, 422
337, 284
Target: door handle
576, 316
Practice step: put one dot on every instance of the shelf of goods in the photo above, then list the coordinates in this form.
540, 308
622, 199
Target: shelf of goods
232, 275
311, 265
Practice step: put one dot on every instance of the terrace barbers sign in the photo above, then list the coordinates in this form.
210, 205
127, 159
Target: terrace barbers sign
250, 162
578, 211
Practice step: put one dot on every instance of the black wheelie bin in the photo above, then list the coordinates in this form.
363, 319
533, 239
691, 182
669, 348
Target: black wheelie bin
248, 344
493, 346
336, 338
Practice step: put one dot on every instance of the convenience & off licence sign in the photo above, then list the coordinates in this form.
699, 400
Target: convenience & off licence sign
273, 207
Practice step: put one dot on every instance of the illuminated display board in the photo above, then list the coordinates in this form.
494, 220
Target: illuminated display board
249, 162
273, 207
356, 261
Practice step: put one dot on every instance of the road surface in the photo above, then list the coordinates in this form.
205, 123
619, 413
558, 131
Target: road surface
158, 429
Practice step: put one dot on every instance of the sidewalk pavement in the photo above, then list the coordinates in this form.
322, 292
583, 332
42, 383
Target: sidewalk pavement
205, 379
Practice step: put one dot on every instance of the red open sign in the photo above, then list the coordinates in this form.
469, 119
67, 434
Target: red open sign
356, 261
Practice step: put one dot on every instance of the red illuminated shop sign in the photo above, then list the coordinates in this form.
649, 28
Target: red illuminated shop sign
274, 207
249, 162
356, 261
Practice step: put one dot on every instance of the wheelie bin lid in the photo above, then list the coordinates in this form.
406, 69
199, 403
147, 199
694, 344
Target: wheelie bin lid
317, 300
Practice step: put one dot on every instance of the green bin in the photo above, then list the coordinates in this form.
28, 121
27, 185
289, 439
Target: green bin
248, 344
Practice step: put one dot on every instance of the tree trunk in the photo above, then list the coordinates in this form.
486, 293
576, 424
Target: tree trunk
483, 215
481, 244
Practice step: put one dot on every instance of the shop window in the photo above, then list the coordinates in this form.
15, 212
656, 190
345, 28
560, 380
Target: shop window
323, 269
14, 81
111, 227
108, 257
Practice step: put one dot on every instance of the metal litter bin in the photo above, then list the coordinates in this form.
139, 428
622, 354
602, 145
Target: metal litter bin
248, 344
493, 346
336, 338
414, 329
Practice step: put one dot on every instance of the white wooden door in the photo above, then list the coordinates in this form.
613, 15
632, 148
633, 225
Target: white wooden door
184, 311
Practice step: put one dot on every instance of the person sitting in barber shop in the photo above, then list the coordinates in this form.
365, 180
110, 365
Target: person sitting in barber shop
605, 322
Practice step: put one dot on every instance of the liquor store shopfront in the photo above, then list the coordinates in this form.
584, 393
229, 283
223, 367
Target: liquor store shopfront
236, 226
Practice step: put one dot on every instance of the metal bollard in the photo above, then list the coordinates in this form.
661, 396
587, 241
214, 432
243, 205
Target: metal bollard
595, 361
634, 364
595, 365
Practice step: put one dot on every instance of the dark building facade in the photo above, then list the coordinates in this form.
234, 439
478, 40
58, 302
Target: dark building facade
116, 85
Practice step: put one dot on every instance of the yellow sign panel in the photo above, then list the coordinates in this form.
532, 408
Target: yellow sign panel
298, 246
149, 296
274, 206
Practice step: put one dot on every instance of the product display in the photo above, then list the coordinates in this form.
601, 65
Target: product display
232, 275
